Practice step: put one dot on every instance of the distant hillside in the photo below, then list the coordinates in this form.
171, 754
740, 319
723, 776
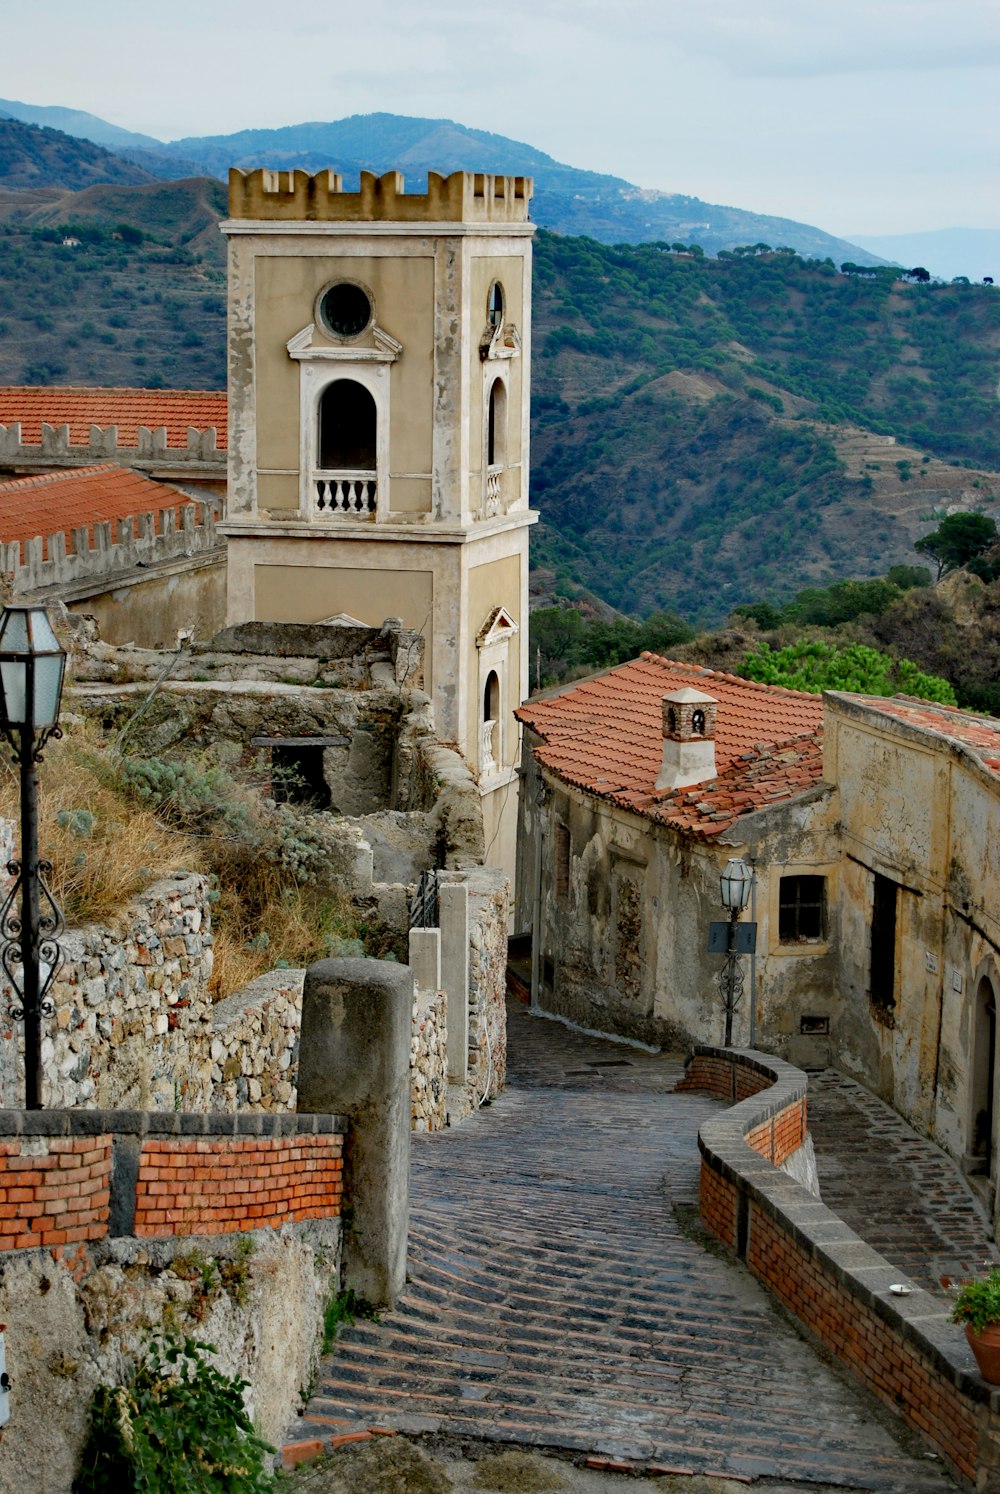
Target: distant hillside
75, 122
705, 431
946, 252
710, 431
31, 156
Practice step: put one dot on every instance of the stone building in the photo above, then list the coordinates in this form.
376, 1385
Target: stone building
378, 431
872, 826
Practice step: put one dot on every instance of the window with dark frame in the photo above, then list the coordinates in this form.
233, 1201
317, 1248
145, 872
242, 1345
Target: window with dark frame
802, 910
882, 970
562, 860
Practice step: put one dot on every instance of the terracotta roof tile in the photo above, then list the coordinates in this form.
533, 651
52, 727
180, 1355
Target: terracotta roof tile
979, 733
65, 500
605, 735
177, 409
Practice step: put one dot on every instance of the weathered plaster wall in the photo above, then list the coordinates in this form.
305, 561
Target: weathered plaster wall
73, 1325
623, 907
925, 815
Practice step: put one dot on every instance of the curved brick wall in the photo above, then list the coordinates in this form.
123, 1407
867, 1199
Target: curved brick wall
905, 1349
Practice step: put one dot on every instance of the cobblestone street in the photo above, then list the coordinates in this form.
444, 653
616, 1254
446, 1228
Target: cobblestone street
561, 1295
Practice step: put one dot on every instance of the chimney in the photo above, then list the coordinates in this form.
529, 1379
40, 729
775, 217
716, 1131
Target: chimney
688, 739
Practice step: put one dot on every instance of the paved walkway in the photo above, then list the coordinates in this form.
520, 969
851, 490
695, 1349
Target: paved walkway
899, 1192
561, 1295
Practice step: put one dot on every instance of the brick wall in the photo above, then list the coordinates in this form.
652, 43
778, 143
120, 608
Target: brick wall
216, 1185
75, 1176
54, 1191
905, 1350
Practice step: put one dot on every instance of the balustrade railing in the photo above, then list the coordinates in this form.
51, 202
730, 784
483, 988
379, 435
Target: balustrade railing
494, 491
353, 494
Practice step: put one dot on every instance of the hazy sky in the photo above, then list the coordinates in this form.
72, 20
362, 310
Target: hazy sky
860, 116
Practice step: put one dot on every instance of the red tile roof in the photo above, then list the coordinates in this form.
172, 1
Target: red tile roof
177, 409
979, 733
31, 506
605, 735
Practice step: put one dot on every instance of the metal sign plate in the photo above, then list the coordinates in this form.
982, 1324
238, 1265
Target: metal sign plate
744, 940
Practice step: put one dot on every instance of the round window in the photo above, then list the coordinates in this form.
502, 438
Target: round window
346, 309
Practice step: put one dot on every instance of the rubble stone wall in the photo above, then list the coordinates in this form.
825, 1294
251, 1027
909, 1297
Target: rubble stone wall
429, 1062
135, 1028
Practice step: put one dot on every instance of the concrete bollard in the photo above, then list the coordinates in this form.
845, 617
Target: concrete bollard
355, 1061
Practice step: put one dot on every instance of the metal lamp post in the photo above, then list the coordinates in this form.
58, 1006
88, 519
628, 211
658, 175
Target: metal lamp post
31, 678
736, 880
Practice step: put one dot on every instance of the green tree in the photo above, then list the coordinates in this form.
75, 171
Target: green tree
855, 667
957, 539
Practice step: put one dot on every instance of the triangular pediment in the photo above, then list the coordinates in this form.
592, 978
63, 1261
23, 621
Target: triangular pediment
377, 346
497, 627
500, 342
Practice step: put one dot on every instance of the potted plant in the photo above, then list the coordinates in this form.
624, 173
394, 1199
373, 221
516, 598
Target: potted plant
977, 1306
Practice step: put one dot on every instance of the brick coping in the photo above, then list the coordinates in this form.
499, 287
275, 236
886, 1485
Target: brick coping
14, 1123
919, 1319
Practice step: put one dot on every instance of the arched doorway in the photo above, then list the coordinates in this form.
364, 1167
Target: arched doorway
983, 1137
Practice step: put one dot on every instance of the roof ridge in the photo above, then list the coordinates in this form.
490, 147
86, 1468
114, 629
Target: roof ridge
39, 478
703, 671
106, 389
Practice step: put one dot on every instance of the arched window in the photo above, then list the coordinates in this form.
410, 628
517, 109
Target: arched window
494, 304
698, 723
496, 425
347, 425
490, 749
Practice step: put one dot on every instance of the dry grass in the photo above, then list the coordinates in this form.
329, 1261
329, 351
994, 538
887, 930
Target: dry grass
261, 918
103, 847
107, 839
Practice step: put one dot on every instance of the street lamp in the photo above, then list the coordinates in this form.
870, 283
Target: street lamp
736, 881
31, 677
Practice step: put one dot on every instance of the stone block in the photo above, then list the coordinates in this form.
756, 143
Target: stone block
355, 1060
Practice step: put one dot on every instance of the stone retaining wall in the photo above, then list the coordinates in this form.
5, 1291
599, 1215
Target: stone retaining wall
489, 895
904, 1349
429, 1062
135, 1027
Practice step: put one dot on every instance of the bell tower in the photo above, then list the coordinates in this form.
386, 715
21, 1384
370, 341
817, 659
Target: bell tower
379, 354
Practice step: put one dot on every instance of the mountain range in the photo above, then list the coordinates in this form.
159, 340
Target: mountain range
705, 430
567, 200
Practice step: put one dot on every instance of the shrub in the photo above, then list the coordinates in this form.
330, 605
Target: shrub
177, 1424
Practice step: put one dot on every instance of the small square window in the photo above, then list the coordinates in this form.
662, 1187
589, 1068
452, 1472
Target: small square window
802, 910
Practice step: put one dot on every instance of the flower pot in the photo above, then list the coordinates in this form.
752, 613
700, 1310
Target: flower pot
986, 1347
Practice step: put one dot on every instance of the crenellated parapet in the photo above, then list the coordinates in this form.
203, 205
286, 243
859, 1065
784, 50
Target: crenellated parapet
55, 448
111, 548
297, 196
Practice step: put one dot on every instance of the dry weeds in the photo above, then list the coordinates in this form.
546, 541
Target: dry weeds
103, 847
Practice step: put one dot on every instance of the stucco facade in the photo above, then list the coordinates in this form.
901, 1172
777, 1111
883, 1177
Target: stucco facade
918, 811
379, 355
